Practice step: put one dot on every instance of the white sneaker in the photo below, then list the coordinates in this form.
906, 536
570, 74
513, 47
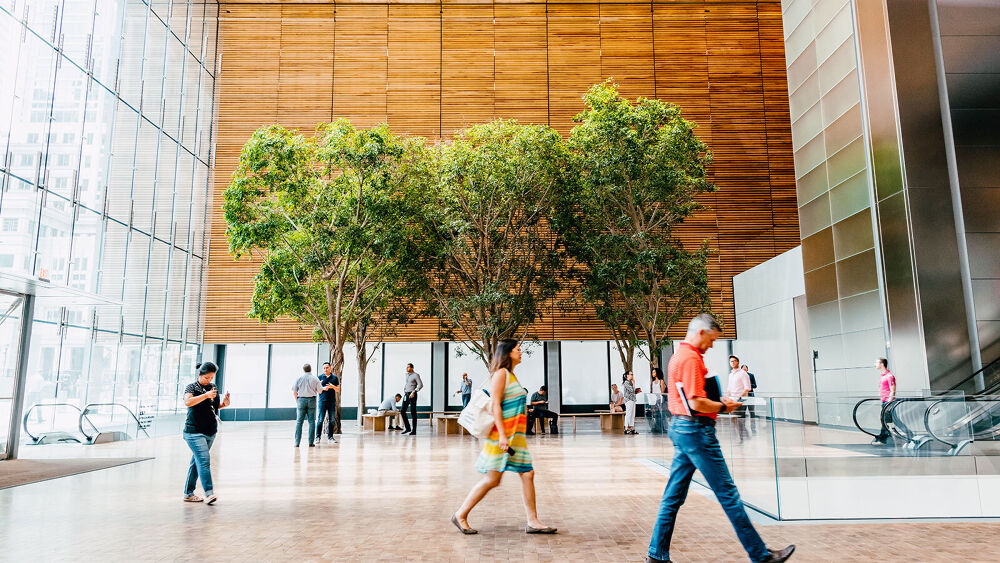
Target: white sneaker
211, 499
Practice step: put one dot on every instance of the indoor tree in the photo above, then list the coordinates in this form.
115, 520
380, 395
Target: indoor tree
491, 261
637, 171
330, 220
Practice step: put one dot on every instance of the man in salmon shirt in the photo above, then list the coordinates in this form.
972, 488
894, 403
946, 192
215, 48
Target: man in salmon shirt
692, 430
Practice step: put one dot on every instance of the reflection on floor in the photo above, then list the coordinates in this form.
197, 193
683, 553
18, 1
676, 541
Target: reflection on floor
388, 497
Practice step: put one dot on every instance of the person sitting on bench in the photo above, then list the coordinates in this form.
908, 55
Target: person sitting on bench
388, 408
538, 407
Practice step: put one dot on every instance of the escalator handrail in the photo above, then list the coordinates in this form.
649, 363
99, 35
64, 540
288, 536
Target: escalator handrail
970, 418
86, 409
991, 365
854, 415
927, 421
24, 423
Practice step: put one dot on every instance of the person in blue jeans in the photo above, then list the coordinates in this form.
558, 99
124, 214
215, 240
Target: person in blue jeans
307, 387
327, 402
202, 400
692, 430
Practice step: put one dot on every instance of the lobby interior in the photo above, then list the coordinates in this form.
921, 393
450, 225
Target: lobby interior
857, 167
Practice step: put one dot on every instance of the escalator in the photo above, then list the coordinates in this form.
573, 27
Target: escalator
95, 423
970, 413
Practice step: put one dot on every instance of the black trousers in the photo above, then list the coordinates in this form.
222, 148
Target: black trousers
543, 414
412, 404
326, 408
883, 435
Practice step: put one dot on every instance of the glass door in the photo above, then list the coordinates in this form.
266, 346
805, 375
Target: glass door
11, 309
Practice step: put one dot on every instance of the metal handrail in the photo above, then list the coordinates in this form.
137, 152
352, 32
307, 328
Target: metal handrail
35, 406
86, 410
854, 415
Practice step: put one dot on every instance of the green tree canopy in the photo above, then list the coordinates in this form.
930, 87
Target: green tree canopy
638, 170
491, 260
330, 218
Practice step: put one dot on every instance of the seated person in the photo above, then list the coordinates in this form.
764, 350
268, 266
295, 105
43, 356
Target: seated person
388, 408
538, 407
617, 399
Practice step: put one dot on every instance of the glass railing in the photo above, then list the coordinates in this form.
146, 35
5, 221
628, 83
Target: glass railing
933, 456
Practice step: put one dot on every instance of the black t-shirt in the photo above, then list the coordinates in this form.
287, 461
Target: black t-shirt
201, 417
327, 380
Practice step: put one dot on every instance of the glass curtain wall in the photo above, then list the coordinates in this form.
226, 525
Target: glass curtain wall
106, 135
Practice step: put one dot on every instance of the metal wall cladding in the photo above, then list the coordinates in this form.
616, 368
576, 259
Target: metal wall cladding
970, 42
845, 308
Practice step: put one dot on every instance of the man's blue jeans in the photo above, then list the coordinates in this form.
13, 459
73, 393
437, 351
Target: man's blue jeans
696, 447
199, 444
306, 410
326, 407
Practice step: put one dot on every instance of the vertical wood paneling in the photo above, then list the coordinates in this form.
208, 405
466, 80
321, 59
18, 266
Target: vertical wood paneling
467, 67
428, 68
521, 63
361, 64
574, 60
414, 93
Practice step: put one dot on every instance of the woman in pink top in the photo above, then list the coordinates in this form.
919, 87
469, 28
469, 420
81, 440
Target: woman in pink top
886, 392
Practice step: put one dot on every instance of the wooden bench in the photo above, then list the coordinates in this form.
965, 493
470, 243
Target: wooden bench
612, 420
574, 416
448, 424
373, 422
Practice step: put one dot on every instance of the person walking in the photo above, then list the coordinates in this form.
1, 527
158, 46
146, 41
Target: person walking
751, 409
327, 402
692, 430
388, 408
506, 448
305, 390
466, 390
738, 387
629, 390
412, 386
539, 409
656, 402
202, 401
886, 392
617, 399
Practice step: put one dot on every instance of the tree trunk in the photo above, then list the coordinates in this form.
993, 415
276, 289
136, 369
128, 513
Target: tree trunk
362, 355
337, 363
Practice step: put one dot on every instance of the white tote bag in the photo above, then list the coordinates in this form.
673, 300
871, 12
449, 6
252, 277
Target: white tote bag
477, 416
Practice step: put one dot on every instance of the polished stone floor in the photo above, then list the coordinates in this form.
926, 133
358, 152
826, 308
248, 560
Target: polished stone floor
388, 497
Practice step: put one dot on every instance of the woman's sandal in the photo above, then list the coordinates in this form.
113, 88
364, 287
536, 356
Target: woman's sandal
466, 531
545, 530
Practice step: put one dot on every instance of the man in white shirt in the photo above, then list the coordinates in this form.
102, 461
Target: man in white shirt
738, 386
388, 408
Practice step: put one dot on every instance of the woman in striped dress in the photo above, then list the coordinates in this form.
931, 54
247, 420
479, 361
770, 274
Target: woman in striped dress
506, 448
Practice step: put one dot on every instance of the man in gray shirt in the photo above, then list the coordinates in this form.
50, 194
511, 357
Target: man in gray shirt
306, 388
388, 408
410, 389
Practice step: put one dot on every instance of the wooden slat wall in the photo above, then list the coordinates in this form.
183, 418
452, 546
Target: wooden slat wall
429, 68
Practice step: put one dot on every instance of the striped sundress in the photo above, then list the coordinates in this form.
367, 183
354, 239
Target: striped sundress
515, 421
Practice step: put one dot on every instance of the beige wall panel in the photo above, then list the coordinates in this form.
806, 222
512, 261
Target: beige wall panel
361, 64
467, 67
414, 88
627, 47
574, 60
521, 63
